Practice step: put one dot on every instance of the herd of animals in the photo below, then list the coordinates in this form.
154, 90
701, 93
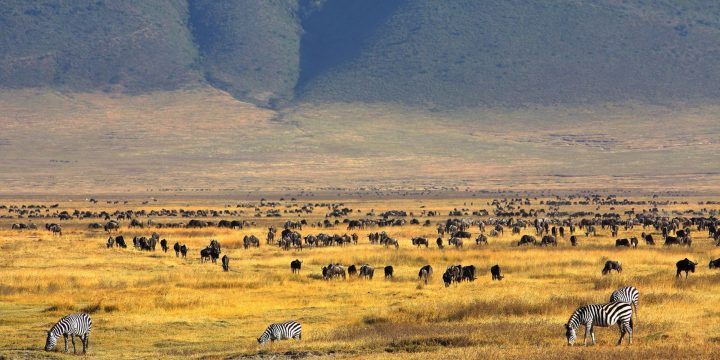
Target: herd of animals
548, 225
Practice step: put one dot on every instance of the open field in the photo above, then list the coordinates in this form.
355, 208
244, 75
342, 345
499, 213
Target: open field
154, 305
180, 142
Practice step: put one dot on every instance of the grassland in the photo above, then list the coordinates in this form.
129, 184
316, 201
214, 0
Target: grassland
153, 305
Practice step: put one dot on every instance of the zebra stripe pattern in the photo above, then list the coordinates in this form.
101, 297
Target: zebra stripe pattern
628, 294
74, 325
602, 315
281, 331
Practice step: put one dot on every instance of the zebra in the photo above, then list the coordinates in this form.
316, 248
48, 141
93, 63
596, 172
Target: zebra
281, 331
628, 294
602, 315
74, 324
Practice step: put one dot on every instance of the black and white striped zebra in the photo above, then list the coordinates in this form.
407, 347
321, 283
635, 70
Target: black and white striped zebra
602, 315
281, 331
628, 294
74, 325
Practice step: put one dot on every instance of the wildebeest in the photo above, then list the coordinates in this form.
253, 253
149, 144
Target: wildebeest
468, 273
622, 242
573, 240
366, 271
715, 263
164, 245
425, 273
453, 273
481, 239
389, 272
685, 265
251, 240
183, 250
548, 240
611, 265
226, 263
455, 241
352, 270
110, 242
333, 271
295, 266
120, 242
648, 239
417, 241
461, 234
526, 239
439, 242
447, 279
176, 247
111, 225
56, 229
634, 242
496, 273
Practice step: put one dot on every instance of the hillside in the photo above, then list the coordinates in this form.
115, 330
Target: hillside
449, 53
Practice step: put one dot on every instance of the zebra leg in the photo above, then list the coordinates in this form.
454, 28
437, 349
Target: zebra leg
86, 343
72, 337
65, 336
622, 333
629, 331
587, 331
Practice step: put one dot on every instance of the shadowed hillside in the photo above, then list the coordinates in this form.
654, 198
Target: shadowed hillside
448, 53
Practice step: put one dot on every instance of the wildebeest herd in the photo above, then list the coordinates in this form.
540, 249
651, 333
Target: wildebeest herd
536, 228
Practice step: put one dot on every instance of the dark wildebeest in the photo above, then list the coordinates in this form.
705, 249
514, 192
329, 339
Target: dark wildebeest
332, 271
573, 240
622, 242
462, 234
111, 225
612, 265
352, 270
176, 247
548, 240
425, 273
389, 272
183, 250
120, 242
205, 254
481, 239
496, 274
453, 273
686, 266
648, 239
468, 273
455, 241
164, 245
366, 271
526, 239
417, 241
295, 266
634, 242
226, 263
439, 242
447, 279
251, 240
110, 242
672, 240
715, 263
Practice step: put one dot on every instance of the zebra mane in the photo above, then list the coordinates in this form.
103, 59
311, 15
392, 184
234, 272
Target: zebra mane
574, 320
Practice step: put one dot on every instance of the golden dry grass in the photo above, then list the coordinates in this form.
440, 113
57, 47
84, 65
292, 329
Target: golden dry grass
153, 305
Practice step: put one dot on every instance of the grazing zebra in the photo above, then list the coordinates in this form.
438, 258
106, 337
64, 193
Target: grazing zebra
74, 324
602, 315
281, 331
628, 294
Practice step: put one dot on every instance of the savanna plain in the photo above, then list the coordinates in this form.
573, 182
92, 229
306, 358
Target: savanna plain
151, 304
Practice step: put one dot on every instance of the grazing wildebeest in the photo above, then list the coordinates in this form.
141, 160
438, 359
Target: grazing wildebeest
439, 242
205, 254
526, 239
333, 270
164, 245
110, 242
447, 279
496, 272
634, 242
226, 263
622, 242
111, 225
573, 240
648, 239
672, 240
176, 247
715, 263
120, 242
425, 273
295, 266
183, 251
54, 228
417, 241
366, 271
461, 234
455, 241
468, 273
251, 240
685, 265
612, 265
548, 240
352, 270
481, 239
389, 272
453, 273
